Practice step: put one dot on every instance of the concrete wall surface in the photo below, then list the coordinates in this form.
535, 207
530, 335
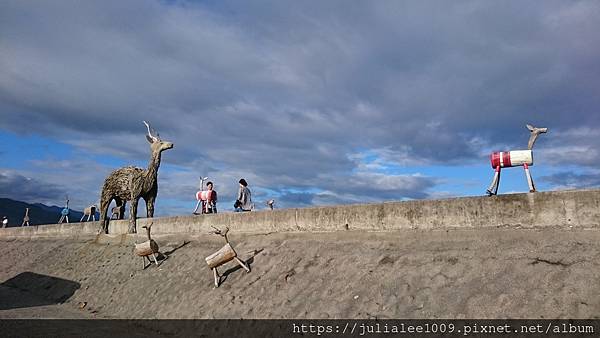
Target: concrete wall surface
573, 208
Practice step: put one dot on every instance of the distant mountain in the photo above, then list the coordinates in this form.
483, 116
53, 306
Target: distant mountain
38, 213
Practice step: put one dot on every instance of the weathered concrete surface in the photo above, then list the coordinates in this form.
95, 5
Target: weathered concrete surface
549, 272
576, 208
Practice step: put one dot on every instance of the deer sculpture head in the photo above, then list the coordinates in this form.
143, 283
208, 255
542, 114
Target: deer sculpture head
156, 144
535, 132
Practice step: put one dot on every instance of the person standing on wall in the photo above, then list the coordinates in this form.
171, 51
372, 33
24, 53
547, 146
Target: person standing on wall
210, 206
244, 198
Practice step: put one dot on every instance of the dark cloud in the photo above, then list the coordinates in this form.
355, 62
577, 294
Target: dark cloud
288, 92
22, 188
570, 180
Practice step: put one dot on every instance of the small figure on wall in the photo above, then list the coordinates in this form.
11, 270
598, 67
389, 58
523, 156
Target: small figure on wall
4, 222
64, 214
515, 158
90, 212
118, 212
210, 205
26, 218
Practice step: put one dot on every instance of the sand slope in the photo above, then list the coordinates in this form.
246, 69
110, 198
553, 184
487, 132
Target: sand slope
492, 273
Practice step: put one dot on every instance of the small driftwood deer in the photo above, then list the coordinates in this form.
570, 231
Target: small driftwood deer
147, 249
89, 212
64, 214
271, 204
131, 184
26, 218
224, 255
118, 211
515, 158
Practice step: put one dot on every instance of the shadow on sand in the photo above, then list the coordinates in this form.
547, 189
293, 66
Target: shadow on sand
29, 289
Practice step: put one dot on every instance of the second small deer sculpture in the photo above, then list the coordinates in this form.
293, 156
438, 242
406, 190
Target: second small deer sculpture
224, 255
515, 158
89, 212
147, 249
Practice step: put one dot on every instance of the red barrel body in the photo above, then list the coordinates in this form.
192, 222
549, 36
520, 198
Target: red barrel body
514, 158
205, 195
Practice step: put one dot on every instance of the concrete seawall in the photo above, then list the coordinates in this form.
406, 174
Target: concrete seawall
576, 208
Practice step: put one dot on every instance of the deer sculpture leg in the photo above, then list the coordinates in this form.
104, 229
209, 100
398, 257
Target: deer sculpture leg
241, 263
149, 207
493, 189
529, 179
216, 274
197, 206
132, 216
104, 219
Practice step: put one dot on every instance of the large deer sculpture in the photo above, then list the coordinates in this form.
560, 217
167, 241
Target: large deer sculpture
515, 158
132, 183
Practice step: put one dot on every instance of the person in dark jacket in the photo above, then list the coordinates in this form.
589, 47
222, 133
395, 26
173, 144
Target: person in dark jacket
210, 207
244, 198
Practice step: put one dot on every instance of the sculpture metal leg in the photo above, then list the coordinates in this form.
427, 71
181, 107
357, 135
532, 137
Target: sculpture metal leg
529, 179
196, 208
82, 217
493, 189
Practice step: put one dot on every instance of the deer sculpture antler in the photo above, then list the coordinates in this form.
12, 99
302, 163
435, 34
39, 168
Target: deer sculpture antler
222, 233
152, 134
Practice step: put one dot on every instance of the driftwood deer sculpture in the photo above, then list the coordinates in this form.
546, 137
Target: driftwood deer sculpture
271, 204
118, 211
131, 184
64, 213
224, 255
89, 212
147, 249
515, 158
26, 218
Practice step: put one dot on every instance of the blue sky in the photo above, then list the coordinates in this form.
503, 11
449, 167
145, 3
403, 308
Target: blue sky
312, 102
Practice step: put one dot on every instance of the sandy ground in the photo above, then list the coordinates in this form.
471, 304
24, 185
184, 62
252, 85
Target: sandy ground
491, 273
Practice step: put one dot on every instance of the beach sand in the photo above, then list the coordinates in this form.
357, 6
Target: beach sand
483, 273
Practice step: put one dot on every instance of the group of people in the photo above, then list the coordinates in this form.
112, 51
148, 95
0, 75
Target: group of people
242, 203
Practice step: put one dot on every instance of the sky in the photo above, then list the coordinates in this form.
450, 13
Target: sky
312, 102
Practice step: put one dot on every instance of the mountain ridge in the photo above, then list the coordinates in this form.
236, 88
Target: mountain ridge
38, 213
